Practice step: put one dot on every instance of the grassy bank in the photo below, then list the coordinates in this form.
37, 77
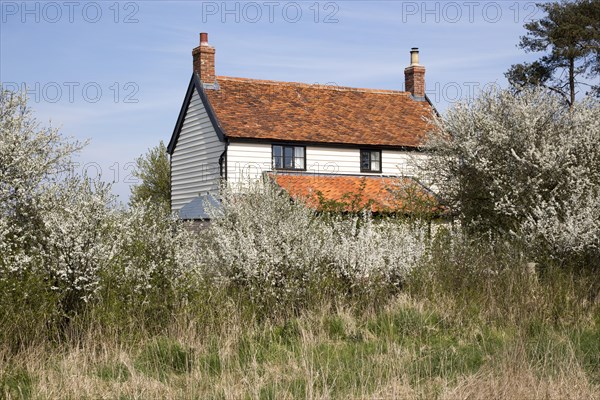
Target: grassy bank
409, 350
460, 333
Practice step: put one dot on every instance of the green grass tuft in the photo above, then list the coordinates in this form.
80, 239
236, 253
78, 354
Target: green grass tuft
113, 372
16, 383
335, 327
164, 356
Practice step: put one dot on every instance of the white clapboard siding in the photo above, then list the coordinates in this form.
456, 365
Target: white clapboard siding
402, 163
195, 160
249, 160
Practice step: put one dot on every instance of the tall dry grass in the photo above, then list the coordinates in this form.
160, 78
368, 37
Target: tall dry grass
473, 321
411, 348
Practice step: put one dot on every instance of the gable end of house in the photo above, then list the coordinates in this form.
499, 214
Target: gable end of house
196, 149
195, 86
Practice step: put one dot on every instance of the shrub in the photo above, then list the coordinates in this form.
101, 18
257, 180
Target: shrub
280, 253
266, 244
65, 243
153, 169
525, 165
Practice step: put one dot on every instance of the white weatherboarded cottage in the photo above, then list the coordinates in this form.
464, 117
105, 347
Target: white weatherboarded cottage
233, 129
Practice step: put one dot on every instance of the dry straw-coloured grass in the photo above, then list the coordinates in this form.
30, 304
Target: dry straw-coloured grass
515, 378
408, 350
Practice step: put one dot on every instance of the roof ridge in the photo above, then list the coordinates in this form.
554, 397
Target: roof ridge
313, 85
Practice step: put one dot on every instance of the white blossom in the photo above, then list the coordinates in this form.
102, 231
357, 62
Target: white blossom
525, 164
276, 247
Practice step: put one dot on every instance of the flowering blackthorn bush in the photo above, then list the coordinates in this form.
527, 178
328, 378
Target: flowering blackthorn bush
525, 165
262, 241
31, 159
75, 240
278, 250
70, 232
368, 252
153, 253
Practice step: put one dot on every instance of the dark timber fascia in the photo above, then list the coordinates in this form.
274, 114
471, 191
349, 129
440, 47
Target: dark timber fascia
339, 145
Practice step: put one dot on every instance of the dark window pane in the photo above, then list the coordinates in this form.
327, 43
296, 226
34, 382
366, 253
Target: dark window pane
278, 162
364, 160
277, 157
288, 157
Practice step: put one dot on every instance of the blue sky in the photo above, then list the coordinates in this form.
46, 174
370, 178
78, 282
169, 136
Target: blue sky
116, 72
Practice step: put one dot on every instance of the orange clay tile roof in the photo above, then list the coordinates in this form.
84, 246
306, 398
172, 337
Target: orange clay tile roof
270, 110
355, 193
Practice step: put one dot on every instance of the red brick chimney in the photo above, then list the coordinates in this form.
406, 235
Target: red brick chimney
204, 60
414, 75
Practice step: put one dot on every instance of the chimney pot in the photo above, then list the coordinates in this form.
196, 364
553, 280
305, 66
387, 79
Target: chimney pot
203, 38
414, 56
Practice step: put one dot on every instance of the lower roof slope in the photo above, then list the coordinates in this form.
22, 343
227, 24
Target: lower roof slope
355, 193
198, 208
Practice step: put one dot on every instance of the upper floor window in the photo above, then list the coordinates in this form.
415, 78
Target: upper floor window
289, 157
370, 161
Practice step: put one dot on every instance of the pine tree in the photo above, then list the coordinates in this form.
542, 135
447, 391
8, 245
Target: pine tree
569, 34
